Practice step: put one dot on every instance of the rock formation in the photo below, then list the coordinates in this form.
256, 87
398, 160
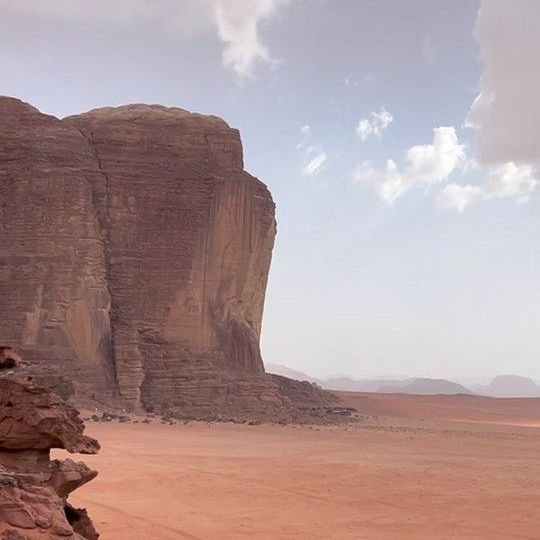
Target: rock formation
134, 254
34, 489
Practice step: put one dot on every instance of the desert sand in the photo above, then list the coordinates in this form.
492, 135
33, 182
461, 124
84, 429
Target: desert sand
415, 467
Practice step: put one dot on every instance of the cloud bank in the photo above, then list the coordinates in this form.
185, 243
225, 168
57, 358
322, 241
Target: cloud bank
237, 22
506, 113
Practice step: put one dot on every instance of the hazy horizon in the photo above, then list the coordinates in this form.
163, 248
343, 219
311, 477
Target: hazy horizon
400, 142
478, 379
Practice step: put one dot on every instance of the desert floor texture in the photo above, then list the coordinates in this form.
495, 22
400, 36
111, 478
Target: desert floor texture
414, 468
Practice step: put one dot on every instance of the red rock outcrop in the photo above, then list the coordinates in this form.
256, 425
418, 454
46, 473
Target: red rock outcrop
34, 488
134, 254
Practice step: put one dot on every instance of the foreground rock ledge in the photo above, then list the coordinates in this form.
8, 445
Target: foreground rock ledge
34, 488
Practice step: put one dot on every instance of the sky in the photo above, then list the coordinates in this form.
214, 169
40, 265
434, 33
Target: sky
400, 141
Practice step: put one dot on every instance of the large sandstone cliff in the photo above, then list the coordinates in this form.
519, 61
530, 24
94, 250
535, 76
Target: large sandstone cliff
134, 253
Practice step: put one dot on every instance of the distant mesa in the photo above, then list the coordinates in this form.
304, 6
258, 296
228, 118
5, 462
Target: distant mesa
513, 386
426, 386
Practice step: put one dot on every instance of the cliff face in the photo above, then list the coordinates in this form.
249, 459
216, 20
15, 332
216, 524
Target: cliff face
134, 252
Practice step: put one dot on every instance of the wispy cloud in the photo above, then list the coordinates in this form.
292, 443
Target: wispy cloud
305, 130
315, 165
374, 124
429, 50
238, 24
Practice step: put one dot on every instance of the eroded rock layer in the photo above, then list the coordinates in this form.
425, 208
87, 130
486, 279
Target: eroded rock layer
134, 253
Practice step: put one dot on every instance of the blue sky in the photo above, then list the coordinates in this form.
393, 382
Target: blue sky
429, 267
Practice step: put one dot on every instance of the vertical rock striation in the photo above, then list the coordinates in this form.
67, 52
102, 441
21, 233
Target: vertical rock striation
134, 253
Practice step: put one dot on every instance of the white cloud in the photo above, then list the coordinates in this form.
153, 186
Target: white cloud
305, 130
511, 181
238, 24
425, 165
506, 181
374, 124
459, 198
315, 165
433, 163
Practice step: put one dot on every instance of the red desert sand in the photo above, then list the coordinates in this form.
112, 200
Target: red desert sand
416, 467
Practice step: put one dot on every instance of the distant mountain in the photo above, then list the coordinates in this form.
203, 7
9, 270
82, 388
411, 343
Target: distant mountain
403, 385
500, 386
425, 386
347, 384
285, 371
513, 386
343, 383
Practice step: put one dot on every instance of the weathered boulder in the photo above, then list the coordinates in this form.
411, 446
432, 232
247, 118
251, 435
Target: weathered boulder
135, 253
34, 489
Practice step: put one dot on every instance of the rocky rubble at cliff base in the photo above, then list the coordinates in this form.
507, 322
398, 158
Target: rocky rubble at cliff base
302, 403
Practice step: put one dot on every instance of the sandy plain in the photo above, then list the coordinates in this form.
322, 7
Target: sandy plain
414, 467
